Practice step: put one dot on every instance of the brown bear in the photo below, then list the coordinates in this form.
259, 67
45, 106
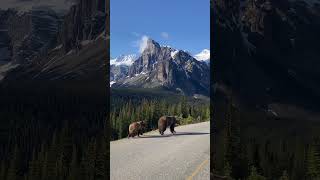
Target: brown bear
136, 128
167, 121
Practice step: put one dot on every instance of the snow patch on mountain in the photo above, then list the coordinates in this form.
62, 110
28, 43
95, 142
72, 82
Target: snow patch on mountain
126, 60
204, 55
173, 53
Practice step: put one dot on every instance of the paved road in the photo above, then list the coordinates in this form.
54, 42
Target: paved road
170, 157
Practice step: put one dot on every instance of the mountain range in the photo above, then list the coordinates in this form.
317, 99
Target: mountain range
265, 85
267, 56
45, 44
162, 67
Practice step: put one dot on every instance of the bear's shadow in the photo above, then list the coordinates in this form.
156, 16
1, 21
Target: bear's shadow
177, 134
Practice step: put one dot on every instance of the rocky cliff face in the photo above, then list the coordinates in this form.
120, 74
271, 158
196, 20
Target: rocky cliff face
28, 34
119, 67
36, 39
118, 72
165, 67
266, 52
85, 21
265, 61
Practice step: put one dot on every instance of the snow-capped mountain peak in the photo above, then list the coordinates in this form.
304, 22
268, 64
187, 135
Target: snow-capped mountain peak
173, 53
204, 55
162, 67
126, 60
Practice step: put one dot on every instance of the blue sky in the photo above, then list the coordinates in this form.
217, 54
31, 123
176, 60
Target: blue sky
182, 24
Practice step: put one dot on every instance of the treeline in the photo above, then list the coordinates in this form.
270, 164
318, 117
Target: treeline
62, 158
253, 147
53, 134
125, 111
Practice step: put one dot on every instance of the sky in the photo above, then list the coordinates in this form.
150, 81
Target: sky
181, 24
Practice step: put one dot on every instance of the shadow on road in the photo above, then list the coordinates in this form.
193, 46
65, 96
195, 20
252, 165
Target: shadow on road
177, 134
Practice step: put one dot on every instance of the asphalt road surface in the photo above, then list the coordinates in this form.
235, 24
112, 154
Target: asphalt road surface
185, 155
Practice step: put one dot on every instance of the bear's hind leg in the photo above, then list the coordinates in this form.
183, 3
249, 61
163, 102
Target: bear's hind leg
172, 129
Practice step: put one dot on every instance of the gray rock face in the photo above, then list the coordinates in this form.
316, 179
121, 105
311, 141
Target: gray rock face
24, 36
119, 67
37, 38
165, 67
266, 51
118, 72
85, 21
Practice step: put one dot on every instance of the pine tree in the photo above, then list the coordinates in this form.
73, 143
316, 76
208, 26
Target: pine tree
41, 160
13, 165
91, 159
231, 144
284, 176
44, 173
51, 159
84, 175
34, 168
3, 170
254, 175
102, 161
184, 108
73, 173
65, 152
313, 171
207, 114
228, 171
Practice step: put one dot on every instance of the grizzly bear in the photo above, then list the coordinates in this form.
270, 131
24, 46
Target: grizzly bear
136, 128
167, 121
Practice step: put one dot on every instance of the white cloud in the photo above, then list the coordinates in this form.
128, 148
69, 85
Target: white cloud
165, 35
143, 43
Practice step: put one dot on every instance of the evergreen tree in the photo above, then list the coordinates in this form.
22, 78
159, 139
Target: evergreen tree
34, 168
13, 165
254, 175
3, 170
207, 114
65, 151
313, 171
232, 140
84, 175
51, 159
44, 173
184, 110
102, 161
284, 176
74, 171
228, 171
91, 159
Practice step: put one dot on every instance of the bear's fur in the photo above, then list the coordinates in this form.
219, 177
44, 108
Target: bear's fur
136, 128
167, 121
